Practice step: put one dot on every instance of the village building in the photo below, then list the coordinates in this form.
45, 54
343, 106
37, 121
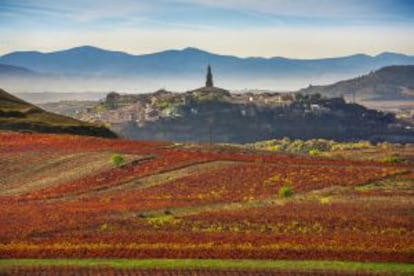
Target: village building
209, 90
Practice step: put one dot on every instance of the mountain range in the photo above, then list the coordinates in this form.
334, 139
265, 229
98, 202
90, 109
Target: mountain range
91, 68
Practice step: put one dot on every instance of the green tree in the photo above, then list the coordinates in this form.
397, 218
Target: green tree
118, 160
285, 191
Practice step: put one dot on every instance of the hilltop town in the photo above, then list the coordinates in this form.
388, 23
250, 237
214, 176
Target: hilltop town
149, 107
211, 113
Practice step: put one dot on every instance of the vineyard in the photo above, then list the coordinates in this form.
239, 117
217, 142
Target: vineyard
62, 196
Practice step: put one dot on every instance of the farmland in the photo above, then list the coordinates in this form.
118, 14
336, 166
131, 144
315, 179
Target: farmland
62, 197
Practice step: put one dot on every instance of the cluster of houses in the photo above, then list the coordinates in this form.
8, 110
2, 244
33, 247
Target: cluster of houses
265, 98
144, 108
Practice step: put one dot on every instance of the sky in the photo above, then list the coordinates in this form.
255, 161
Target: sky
295, 28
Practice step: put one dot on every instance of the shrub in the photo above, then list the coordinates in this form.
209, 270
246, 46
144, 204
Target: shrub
296, 146
351, 146
104, 227
314, 152
285, 191
325, 200
274, 148
392, 159
117, 160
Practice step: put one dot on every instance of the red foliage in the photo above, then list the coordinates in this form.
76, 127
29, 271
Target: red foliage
72, 220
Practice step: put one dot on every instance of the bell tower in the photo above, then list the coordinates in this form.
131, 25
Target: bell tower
209, 78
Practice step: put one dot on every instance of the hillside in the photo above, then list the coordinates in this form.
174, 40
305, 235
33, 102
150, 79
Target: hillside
214, 114
96, 69
18, 115
62, 197
388, 83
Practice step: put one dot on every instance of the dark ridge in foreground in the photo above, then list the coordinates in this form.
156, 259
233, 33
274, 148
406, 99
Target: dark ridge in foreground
18, 115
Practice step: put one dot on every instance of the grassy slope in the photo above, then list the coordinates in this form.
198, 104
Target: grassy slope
16, 114
286, 265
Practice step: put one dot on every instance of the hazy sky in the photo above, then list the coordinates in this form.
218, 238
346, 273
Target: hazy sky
291, 28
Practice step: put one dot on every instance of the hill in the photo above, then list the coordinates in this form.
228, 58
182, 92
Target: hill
214, 114
18, 115
93, 68
191, 207
388, 83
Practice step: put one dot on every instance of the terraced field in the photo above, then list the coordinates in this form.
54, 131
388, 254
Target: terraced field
63, 197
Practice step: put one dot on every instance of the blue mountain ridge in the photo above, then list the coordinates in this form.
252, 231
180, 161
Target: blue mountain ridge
89, 60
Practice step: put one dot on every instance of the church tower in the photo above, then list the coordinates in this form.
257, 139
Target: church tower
209, 78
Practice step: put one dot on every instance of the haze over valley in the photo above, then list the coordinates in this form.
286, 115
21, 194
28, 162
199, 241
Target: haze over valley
87, 68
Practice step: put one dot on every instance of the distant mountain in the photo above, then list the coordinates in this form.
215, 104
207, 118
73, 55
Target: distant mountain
15, 71
80, 60
388, 83
179, 66
18, 115
91, 60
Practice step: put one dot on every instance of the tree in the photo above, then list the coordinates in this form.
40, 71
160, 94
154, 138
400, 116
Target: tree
285, 191
117, 160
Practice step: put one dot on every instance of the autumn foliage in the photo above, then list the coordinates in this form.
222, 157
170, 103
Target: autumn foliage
172, 204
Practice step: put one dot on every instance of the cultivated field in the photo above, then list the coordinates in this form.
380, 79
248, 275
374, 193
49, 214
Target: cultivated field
216, 209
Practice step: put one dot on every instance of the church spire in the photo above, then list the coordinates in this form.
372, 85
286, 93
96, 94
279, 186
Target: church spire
209, 79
